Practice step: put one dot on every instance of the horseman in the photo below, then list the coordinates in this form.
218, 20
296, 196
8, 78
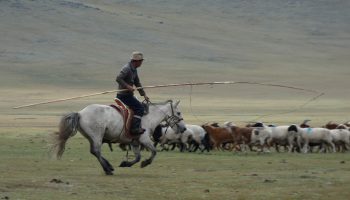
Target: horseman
127, 79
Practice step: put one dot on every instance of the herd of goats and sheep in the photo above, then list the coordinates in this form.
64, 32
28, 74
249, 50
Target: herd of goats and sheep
259, 137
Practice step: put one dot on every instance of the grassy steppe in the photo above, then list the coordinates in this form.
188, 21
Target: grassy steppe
28, 173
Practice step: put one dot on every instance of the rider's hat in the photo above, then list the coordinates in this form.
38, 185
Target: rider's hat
136, 55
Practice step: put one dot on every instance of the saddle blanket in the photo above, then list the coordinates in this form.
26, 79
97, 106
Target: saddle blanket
127, 116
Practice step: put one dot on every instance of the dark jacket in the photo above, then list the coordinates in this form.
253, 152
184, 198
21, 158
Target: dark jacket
128, 76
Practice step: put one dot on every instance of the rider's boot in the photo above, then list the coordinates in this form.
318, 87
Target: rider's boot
136, 129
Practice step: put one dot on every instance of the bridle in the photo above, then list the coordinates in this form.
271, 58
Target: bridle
173, 120
170, 120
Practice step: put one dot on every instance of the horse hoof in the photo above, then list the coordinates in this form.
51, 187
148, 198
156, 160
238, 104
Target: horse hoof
124, 164
109, 173
144, 163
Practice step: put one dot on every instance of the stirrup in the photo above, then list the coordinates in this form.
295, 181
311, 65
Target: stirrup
137, 131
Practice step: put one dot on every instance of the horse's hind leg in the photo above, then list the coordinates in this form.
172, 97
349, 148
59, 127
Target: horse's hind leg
136, 149
95, 149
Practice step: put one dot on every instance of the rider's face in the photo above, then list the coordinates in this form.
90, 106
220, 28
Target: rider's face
137, 63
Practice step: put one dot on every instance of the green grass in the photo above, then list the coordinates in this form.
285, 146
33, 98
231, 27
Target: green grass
27, 173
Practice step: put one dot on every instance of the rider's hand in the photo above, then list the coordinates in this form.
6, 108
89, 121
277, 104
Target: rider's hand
146, 98
130, 88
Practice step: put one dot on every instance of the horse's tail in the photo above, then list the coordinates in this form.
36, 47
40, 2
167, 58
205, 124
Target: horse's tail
68, 127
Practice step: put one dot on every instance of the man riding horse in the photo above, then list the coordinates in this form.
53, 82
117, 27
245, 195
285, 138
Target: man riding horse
126, 79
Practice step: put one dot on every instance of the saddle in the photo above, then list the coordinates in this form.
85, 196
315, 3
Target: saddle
127, 115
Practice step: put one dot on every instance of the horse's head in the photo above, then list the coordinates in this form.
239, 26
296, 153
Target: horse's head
174, 119
167, 112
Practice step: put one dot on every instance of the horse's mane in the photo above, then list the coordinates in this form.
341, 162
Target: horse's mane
161, 103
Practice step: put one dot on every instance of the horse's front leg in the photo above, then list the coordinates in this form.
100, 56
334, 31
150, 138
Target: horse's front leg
135, 145
147, 142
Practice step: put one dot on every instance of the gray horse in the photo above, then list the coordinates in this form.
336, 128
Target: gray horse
101, 123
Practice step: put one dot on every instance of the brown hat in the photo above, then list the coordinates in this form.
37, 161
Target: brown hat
136, 55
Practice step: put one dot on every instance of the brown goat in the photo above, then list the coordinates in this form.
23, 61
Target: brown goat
242, 135
218, 135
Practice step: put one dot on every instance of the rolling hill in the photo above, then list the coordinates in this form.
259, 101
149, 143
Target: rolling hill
80, 45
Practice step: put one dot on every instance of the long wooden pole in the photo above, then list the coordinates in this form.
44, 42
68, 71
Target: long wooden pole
166, 85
